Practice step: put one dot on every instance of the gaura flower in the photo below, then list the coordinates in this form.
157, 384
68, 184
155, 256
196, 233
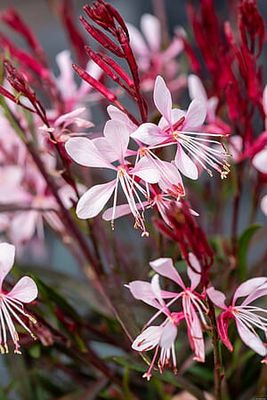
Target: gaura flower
103, 153
177, 127
193, 310
11, 303
246, 316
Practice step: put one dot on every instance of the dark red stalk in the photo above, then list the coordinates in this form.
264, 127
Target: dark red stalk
66, 13
14, 21
102, 38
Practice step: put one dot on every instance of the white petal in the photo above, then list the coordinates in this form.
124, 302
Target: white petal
137, 42
146, 171
150, 25
248, 287
196, 115
260, 161
264, 204
118, 115
185, 164
164, 267
176, 115
193, 275
217, 297
84, 152
162, 98
196, 88
149, 133
117, 135
250, 339
148, 339
93, 201
7, 257
168, 335
25, 290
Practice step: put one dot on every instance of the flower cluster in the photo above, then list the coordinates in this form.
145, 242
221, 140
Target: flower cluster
146, 179
189, 305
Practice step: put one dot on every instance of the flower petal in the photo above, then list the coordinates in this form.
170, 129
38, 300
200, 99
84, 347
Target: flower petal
117, 135
164, 267
196, 88
196, 115
168, 335
176, 115
72, 118
84, 152
7, 257
248, 287
260, 161
162, 98
146, 171
194, 274
92, 201
121, 210
150, 26
251, 339
217, 297
185, 164
118, 115
25, 290
148, 339
23, 226
264, 204
136, 40
149, 134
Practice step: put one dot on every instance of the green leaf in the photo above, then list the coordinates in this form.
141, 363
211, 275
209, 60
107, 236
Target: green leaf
243, 244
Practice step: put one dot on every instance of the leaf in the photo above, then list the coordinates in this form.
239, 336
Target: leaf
243, 244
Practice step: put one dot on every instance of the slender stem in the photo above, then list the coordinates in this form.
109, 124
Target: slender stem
216, 354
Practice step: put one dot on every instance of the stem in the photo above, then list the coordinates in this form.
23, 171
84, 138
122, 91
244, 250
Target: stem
216, 354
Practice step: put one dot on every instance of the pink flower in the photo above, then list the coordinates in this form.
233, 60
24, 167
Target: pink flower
246, 316
11, 303
152, 60
177, 127
193, 310
260, 163
102, 153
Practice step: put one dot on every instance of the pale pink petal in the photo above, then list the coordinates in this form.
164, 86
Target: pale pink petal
249, 287
137, 42
95, 71
148, 339
105, 149
25, 290
118, 115
196, 336
65, 81
185, 164
168, 335
23, 226
170, 179
149, 133
196, 88
142, 290
194, 273
164, 267
73, 118
212, 105
121, 210
155, 286
176, 115
173, 49
7, 257
68, 195
146, 171
260, 292
162, 98
93, 201
251, 339
117, 135
264, 204
84, 152
196, 115
235, 146
260, 161
217, 297
150, 26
